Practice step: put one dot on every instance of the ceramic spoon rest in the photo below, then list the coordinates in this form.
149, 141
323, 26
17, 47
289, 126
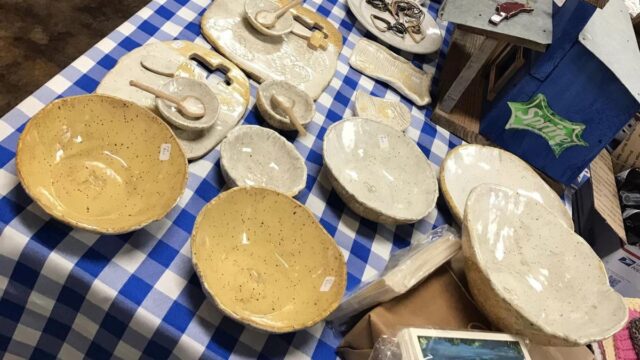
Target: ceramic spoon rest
288, 57
390, 112
380, 63
157, 63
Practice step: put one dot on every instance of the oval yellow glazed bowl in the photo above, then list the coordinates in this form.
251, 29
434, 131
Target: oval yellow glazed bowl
94, 162
264, 259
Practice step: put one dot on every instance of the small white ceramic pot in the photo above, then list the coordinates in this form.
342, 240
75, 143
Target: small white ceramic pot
303, 105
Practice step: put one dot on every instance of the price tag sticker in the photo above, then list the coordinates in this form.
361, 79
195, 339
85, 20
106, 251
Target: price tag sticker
384, 141
327, 283
165, 152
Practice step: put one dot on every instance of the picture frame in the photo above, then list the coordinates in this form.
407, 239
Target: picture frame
433, 344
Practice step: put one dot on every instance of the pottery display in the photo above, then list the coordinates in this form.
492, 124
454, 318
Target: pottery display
380, 63
281, 26
390, 112
185, 87
100, 163
468, 166
151, 63
303, 105
531, 275
288, 57
265, 261
378, 172
432, 35
256, 156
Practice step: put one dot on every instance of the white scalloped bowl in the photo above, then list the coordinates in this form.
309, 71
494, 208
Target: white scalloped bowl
378, 172
255, 156
534, 277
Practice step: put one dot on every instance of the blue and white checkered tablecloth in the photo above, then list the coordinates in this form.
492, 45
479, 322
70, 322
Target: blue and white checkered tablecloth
68, 293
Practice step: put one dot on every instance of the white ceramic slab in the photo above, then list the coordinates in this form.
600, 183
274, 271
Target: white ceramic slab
379, 172
468, 166
287, 57
256, 156
233, 98
390, 112
378, 62
534, 277
431, 42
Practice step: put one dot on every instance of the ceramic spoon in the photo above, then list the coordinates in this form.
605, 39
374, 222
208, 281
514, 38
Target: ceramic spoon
268, 19
189, 105
286, 105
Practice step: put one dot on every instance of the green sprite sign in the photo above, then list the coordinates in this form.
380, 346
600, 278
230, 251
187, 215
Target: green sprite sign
536, 116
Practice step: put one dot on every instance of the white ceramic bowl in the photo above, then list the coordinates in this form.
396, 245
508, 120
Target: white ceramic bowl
468, 166
255, 156
532, 276
379, 172
181, 87
283, 25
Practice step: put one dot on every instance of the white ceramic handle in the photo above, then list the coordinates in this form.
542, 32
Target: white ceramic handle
157, 92
290, 114
286, 8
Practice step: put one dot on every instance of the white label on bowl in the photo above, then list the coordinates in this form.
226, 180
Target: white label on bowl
384, 141
327, 283
165, 152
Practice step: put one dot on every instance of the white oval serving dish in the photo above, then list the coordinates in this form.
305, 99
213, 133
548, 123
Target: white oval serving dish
379, 172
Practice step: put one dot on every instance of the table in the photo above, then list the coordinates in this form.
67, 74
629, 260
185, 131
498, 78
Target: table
68, 293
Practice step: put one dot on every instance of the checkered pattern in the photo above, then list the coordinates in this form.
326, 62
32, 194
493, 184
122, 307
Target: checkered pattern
68, 293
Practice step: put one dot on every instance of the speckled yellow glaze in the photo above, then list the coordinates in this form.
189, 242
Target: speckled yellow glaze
266, 261
94, 162
287, 57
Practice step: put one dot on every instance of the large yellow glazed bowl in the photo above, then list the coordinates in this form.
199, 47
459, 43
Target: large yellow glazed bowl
266, 261
100, 163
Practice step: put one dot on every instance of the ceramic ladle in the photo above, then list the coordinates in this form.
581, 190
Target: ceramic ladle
268, 18
189, 105
286, 105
